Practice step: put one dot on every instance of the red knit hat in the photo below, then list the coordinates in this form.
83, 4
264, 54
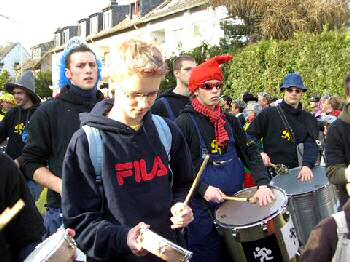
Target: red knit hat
209, 70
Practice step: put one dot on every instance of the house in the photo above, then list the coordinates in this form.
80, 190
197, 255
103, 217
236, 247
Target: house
41, 58
173, 25
12, 56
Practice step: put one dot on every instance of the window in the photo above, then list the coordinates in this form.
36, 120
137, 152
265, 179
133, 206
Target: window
1, 65
66, 36
107, 20
15, 65
83, 29
135, 8
57, 39
94, 25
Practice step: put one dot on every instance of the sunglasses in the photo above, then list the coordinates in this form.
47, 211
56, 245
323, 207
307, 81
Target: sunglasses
291, 90
210, 86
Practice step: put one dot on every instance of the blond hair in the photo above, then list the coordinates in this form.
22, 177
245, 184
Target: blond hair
137, 57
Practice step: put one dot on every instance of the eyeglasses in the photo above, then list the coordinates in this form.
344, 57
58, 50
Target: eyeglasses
291, 90
138, 96
211, 85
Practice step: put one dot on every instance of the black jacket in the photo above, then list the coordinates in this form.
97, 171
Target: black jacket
176, 103
136, 182
12, 126
27, 226
269, 126
50, 131
247, 150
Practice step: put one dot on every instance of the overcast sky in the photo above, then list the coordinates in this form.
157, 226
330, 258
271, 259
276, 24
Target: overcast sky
35, 21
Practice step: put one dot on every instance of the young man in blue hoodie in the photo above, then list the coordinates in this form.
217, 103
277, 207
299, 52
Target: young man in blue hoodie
140, 184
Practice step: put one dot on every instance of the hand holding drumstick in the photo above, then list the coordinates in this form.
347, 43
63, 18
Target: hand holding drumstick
182, 213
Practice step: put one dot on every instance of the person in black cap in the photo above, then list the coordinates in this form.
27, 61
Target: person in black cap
15, 122
287, 128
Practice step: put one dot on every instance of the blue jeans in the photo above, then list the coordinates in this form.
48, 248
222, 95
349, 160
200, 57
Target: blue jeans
34, 189
52, 221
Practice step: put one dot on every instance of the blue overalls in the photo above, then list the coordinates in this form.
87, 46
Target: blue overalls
226, 172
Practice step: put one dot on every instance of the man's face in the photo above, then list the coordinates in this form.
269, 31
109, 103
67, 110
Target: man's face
82, 71
136, 95
21, 97
6, 106
235, 110
209, 94
184, 73
292, 96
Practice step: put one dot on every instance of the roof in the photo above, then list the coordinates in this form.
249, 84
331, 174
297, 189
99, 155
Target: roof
4, 50
166, 8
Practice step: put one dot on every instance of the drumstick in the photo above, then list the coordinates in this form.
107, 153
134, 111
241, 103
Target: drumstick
9, 213
197, 179
251, 200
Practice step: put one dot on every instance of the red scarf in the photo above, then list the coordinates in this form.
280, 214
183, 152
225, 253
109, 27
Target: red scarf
216, 118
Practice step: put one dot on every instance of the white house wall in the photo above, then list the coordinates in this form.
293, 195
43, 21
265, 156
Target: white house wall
179, 35
17, 55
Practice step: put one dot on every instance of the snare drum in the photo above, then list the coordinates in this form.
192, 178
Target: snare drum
60, 247
309, 202
254, 233
162, 247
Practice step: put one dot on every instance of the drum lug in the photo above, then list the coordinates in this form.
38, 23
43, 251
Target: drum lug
235, 234
264, 227
286, 216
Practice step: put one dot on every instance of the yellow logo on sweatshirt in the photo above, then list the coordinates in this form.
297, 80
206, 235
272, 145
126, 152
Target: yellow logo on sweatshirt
286, 135
19, 128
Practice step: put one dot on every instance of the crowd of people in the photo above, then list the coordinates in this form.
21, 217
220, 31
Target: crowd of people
112, 167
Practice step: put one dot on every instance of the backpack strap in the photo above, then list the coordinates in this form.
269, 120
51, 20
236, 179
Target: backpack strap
342, 227
165, 137
169, 111
164, 133
96, 153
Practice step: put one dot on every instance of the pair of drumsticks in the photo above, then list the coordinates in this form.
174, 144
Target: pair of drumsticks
196, 182
9, 213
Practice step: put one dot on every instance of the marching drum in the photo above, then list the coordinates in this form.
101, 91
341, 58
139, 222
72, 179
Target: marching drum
309, 202
254, 233
60, 247
162, 247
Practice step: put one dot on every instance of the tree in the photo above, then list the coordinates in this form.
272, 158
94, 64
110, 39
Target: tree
42, 82
4, 78
281, 19
323, 60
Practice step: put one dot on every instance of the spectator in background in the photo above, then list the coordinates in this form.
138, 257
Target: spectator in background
264, 100
314, 104
7, 102
237, 109
332, 106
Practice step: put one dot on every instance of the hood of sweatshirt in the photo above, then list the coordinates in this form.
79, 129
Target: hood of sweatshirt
73, 98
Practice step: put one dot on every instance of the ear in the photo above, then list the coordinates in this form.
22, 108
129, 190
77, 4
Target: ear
68, 73
176, 73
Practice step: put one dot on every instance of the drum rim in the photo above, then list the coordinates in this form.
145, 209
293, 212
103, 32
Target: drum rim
307, 192
261, 222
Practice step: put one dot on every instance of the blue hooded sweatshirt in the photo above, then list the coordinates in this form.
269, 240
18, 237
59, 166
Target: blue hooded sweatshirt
136, 181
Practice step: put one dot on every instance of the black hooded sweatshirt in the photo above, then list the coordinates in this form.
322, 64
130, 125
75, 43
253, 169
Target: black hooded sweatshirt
12, 126
269, 126
27, 227
247, 150
136, 182
50, 130
176, 102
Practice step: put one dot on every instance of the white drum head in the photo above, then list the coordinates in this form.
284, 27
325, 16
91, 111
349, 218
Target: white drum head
237, 214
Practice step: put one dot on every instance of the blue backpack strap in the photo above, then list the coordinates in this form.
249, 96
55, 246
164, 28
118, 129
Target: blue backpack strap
96, 153
169, 111
165, 137
203, 147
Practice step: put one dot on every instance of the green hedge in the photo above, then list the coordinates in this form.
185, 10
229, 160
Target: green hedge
322, 59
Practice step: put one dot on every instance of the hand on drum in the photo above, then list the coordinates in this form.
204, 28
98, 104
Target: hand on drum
264, 196
132, 240
266, 159
305, 174
214, 194
182, 215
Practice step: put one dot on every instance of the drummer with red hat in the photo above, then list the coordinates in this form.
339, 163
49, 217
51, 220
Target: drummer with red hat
210, 131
